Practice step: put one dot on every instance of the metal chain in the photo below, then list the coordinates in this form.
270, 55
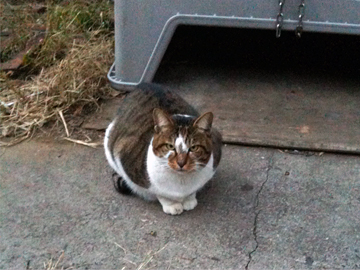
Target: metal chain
280, 18
299, 28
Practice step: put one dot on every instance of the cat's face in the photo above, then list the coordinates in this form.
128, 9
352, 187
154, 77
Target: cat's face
182, 142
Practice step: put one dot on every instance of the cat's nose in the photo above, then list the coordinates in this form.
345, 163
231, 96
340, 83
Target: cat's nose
181, 160
181, 163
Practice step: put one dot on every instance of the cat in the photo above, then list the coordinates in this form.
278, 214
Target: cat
161, 147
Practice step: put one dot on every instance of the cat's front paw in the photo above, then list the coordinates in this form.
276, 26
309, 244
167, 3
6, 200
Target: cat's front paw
173, 209
190, 204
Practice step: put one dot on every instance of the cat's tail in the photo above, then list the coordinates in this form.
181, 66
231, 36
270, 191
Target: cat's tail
120, 185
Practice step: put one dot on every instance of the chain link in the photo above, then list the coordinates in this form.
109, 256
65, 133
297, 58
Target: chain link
280, 18
299, 28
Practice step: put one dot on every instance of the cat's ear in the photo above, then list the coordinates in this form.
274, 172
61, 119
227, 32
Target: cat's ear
204, 122
161, 119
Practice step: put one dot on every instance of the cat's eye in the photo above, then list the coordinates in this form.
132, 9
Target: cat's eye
194, 148
170, 146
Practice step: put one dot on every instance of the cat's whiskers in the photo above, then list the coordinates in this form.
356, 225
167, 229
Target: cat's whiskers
163, 163
201, 166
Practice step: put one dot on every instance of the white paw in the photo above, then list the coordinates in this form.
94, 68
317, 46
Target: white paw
173, 209
190, 204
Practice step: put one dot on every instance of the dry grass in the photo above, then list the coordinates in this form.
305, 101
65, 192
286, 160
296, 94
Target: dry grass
16, 20
73, 59
56, 265
69, 21
149, 257
51, 264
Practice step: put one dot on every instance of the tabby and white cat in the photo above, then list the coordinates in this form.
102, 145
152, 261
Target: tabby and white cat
161, 148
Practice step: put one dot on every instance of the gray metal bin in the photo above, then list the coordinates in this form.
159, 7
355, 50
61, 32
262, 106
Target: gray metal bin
144, 28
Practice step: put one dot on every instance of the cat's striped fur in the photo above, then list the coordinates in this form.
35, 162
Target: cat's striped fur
162, 148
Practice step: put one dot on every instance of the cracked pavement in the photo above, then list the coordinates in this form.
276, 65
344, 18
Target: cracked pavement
310, 212
257, 212
264, 209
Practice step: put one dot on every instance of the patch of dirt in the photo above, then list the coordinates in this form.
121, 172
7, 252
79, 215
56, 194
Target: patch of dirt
85, 123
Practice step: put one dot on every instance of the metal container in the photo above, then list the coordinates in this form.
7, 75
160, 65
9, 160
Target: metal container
143, 29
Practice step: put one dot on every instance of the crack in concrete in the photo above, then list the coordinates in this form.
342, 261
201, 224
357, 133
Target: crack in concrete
258, 212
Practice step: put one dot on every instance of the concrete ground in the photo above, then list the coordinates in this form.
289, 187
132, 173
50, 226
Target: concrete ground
264, 209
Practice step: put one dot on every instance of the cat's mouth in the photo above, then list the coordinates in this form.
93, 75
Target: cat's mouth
183, 171
188, 168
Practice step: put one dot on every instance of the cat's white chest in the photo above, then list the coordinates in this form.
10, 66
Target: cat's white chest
172, 184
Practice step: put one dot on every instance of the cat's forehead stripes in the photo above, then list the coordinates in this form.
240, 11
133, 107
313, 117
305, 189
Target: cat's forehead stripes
180, 144
180, 141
